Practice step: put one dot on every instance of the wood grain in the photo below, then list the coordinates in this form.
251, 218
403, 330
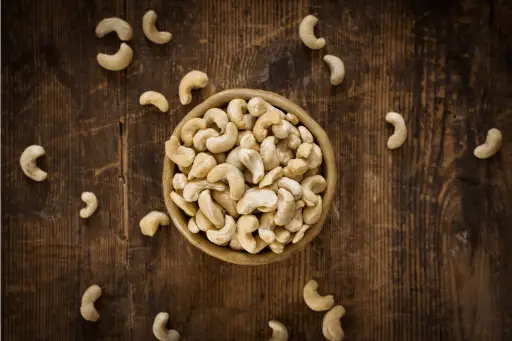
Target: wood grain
418, 243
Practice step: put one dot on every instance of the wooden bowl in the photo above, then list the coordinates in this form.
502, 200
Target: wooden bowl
220, 100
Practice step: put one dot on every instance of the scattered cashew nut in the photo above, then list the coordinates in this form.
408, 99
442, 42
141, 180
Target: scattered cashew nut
203, 164
304, 151
117, 61
195, 187
311, 186
285, 207
160, 328
258, 106
150, 30
263, 122
210, 209
92, 204
202, 222
121, 27
306, 135
276, 247
307, 33
311, 214
179, 181
257, 198
192, 80
491, 146
28, 162
189, 208
300, 233
293, 119
331, 325
252, 161
87, 308
246, 225
190, 128
151, 221
224, 142
248, 141
315, 301
271, 177
336, 67
192, 225
180, 155
291, 186
236, 112
400, 134
295, 167
279, 331
267, 227
234, 177
202, 136
155, 98
225, 234
269, 153
218, 117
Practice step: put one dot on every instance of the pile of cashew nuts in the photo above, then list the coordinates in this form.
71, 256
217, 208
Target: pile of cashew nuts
249, 177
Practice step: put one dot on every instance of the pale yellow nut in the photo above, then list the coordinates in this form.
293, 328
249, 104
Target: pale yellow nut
336, 67
311, 214
296, 223
304, 151
179, 181
28, 163
314, 300
118, 61
195, 187
201, 137
154, 98
291, 186
258, 106
210, 209
269, 153
224, 235
491, 146
276, 247
331, 324
246, 225
272, 176
285, 207
267, 227
160, 330
192, 80
150, 30
283, 235
218, 117
234, 177
295, 167
151, 221
279, 331
307, 33
224, 142
224, 200
87, 308
190, 128
236, 112
253, 162
248, 141
122, 28
300, 234
311, 186
306, 135
256, 198
284, 153
202, 222
263, 122
202, 165
180, 155
189, 208
92, 204
400, 133
192, 225
293, 119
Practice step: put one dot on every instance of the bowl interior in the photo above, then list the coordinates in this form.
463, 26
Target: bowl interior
220, 100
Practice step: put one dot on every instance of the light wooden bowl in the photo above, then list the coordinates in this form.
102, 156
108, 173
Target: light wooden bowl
220, 100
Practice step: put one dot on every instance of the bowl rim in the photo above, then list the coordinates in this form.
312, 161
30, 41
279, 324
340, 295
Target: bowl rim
226, 254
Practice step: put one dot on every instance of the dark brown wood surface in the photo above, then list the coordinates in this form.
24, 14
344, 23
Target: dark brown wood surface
418, 244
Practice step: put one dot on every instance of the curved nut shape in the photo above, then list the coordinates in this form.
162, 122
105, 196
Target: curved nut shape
180, 155
236, 111
225, 142
267, 227
294, 141
150, 30
190, 128
114, 24
282, 130
92, 204
295, 167
293, 119
300, 234
160, 328
279, 331
311, 186
268, 236
252, 161
224, 235
155, 98
276, 247
210, 209
151, 221
224, 200
192, 225
203, 164
258, 106
233, 158
336, 67
264, 122
312, 214
491, 146
331, 325
400, 134
248, 141
189, 208
118, 61
202, 136
269, 153
285, 207
87, 308
28, 163
296, 223
179, 181
271, 177
306, 135
256, 198
284, 154
307, 33
283, 235
246, 225
316, 158
234, 177
304, 151
313, 300
202, 222
192, 80
291, 186
218, 117
195, 187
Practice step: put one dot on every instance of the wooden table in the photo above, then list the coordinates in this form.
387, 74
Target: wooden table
418, 245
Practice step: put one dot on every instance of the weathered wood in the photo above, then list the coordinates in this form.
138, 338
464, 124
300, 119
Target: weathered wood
417, 246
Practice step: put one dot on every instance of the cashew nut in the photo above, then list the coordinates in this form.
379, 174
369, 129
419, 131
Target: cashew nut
315, 301
284, 129
258, 106
28, 163
284, 154
306, 135
202, 136
256, 198
294, 141
311, 214
192, 80
267, 226
269, 153
336, 67
331, 325
155, 98
307, 33
266, 120
491, 146
218, 117
246, 225
195, 187
234, 177
151, 221
296, 223
236, 112
248, 141
189, 208
271, 177
283, 235
150, 30
192, 225
203, 164
304, 151
293, 119
224, 235
252, 161
235, 244
300, 234
241, 134
118, 61
92, 204
233, 158
279, 331
211, 210
225, 142
202, 222
180, 155
224, 199
276, 247
121, 27
291, 186
190, 128
295, 167
311, 186
160, 328
285, 207
87, 308
398, 137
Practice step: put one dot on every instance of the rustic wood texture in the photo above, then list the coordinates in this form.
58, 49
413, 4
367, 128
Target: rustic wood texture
418, 245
